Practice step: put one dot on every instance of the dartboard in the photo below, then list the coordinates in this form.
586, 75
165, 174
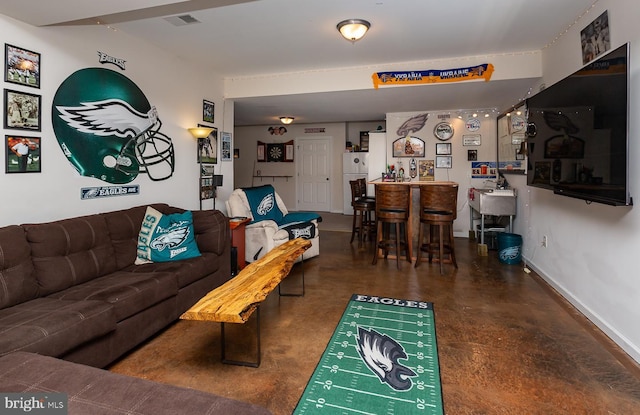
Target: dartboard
275, 152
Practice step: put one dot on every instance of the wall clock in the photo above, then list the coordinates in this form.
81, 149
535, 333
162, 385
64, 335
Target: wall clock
443, 131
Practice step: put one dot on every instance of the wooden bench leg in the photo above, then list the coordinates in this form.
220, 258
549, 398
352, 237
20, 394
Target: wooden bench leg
255, 363
281, 294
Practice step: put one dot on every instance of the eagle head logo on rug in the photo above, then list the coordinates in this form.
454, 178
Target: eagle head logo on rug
381, 353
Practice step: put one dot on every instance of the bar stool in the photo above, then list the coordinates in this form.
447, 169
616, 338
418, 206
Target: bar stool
362, 212
392, 207
363, 189
438, 209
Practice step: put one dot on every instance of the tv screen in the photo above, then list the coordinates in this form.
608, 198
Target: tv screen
578, 133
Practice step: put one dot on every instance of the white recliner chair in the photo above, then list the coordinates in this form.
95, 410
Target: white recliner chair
271, 223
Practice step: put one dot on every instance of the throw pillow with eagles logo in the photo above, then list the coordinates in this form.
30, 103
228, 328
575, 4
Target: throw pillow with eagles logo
165, 238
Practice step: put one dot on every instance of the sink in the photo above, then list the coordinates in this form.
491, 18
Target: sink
494, 202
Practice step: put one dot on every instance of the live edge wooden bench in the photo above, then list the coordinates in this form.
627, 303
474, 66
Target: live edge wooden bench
237, 299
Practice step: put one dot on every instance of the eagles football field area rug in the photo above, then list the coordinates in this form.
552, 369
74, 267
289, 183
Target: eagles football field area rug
382, 359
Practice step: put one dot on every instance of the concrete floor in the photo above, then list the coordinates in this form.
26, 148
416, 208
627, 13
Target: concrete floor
507, 343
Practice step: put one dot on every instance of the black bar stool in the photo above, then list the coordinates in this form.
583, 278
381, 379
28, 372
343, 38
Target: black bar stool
438, 209
363, 209
392, 207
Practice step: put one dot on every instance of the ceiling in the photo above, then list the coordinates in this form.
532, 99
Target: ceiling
245, 38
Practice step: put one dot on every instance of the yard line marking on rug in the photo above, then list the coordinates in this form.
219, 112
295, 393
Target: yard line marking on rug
381, 359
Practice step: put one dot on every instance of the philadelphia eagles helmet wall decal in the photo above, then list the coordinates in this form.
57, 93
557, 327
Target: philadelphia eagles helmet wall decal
107, 129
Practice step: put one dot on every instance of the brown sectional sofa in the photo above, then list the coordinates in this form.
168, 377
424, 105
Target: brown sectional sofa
70, 288
97, 392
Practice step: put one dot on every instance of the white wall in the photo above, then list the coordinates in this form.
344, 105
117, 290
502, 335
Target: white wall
175, 87
592, 253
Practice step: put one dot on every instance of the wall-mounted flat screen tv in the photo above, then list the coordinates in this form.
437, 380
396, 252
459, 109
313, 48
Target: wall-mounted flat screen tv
578, 133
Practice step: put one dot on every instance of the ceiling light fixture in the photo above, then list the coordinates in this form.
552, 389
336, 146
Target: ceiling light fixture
353, 29
286, 120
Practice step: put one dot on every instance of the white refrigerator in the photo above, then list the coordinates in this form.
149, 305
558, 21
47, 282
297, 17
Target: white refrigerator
354, 166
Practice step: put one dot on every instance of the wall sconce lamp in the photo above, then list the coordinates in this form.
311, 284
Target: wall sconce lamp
286, 120
200, 132
353, 29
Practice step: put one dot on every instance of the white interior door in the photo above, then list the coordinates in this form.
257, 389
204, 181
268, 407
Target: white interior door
313, 167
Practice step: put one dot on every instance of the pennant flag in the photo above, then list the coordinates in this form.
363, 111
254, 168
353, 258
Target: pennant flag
432, 76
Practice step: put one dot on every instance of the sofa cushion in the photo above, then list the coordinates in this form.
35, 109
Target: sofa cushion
128, 292
17, 279
96, 391
124, 227
165, 238
186, 272
52, 326
70, 252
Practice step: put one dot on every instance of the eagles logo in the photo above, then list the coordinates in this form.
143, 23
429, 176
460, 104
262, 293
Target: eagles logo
107, 129
381, 354
171, 238
266, 204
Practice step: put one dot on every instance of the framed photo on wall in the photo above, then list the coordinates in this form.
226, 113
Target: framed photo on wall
443, 162
208, 111
21, 66
225, 147
443, 149
22, 154
22, 110
208, 147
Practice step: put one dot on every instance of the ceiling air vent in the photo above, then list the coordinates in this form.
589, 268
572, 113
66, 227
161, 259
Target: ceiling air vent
185, 19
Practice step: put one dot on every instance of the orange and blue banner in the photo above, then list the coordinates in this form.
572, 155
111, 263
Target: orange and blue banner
431, 76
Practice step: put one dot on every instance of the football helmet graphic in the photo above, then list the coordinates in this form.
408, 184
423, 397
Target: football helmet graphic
107, 129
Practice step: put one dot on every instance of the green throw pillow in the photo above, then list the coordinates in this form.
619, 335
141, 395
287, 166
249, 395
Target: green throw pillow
165, 238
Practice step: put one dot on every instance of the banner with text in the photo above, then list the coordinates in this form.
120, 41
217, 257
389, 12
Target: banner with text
433, 76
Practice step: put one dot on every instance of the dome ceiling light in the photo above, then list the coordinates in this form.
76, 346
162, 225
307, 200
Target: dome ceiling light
353, 29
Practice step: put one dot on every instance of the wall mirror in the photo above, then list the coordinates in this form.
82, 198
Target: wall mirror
512, 126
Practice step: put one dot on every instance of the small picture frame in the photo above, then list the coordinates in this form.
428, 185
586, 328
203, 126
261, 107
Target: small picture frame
21, 66
262, 151
23, 154
471, 139
443, 149
208, 170
288, 151
472, 155
443, 162
208, 147
225, 147
208, 111
22, 111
